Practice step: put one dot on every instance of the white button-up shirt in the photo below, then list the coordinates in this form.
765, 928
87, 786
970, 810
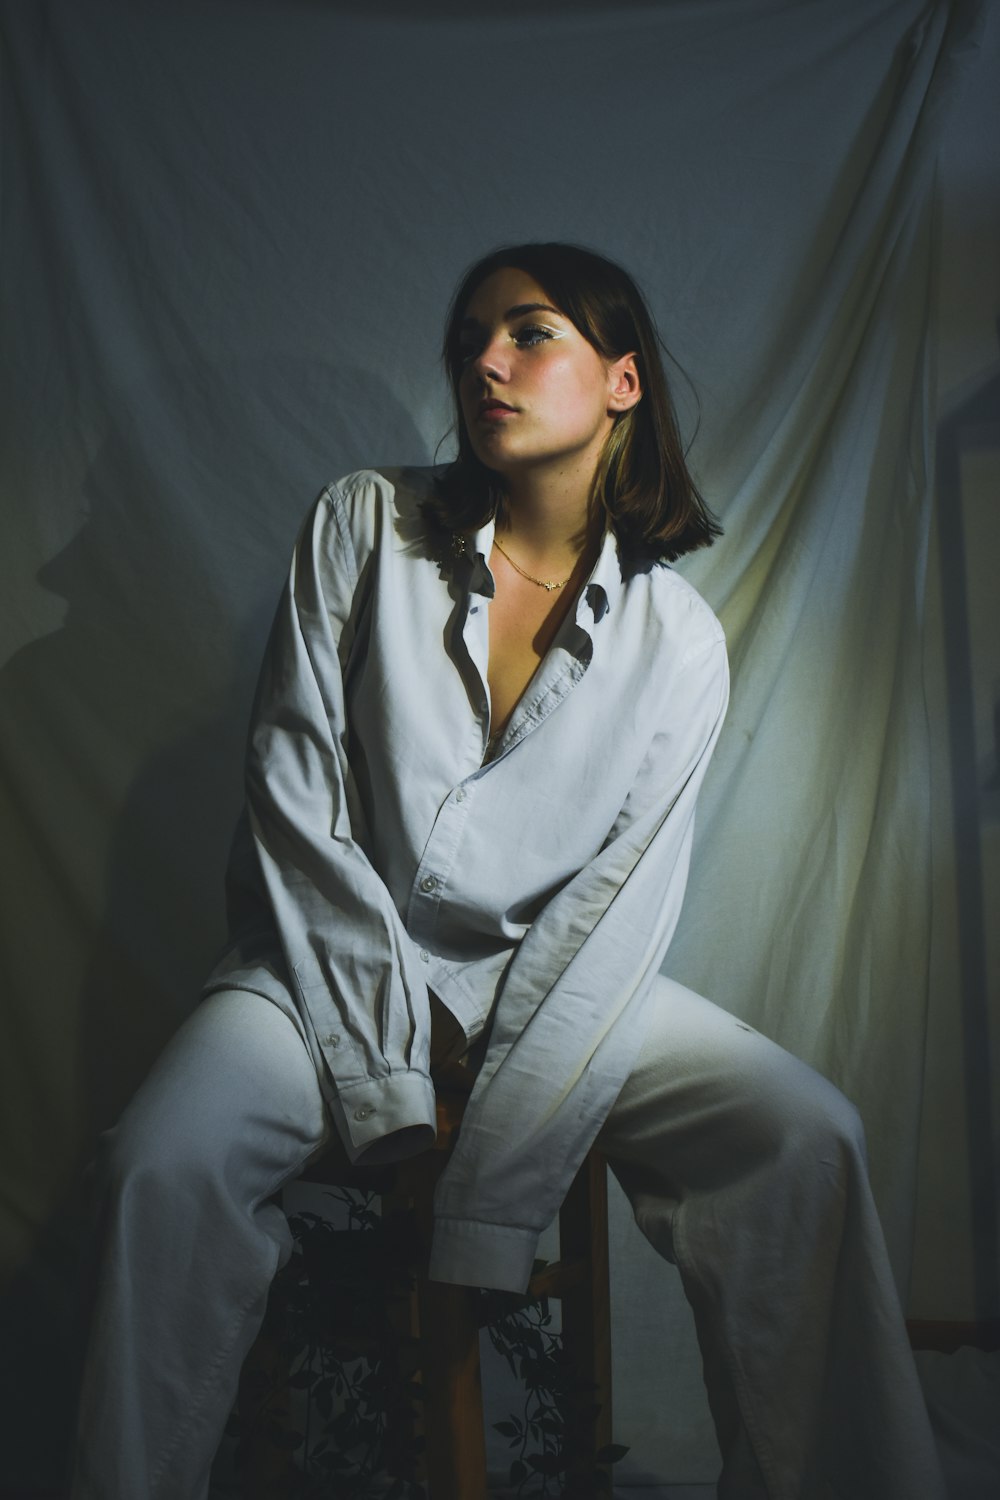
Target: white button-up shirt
533, 884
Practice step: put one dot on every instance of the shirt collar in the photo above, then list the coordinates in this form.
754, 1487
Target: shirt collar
599, 593
603, 586
479, 548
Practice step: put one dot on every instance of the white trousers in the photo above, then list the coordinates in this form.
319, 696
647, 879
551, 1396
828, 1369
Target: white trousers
743, 1166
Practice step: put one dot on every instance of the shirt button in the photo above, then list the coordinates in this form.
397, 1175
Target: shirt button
424, 956
333, 1040
364, 1112
429, 883
460, 795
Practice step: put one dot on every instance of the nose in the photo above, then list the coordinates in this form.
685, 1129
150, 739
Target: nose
490, 363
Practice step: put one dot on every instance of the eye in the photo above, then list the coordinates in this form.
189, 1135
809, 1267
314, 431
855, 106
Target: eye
533, 333
528, 336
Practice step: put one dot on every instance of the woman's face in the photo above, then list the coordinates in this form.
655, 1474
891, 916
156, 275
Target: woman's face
533, 391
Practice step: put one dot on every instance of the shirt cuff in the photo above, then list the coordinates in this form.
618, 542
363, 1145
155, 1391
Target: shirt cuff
470, 1253
386, 1119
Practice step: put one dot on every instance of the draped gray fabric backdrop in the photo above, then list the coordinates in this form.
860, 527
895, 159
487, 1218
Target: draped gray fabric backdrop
229, 232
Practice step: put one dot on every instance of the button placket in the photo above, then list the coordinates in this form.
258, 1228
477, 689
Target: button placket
565, 671
430, 879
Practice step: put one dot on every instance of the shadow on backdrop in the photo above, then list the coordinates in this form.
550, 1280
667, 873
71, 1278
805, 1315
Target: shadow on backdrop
126, 732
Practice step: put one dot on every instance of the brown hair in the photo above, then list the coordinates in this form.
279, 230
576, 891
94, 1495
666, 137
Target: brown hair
642, 480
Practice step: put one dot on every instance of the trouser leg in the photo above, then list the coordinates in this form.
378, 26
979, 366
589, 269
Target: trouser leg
189, 1243
747, 1169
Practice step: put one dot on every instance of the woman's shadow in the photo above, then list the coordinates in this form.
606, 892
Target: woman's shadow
125, 781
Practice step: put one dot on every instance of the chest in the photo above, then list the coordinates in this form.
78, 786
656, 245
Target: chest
524, 620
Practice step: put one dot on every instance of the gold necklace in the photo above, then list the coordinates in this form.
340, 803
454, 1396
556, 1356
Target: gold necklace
548, 587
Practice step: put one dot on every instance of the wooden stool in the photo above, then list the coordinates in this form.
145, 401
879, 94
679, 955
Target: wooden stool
445, 1319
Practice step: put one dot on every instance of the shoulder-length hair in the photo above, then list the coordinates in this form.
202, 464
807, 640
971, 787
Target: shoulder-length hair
642, 480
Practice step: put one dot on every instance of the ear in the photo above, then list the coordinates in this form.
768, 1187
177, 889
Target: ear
624, 385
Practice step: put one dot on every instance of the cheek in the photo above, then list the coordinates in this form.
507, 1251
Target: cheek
577, 379
581, 399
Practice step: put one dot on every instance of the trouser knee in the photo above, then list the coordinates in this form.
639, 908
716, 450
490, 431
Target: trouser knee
831, 1123
164, 1202
160, 1172
795, 1122
822, 1155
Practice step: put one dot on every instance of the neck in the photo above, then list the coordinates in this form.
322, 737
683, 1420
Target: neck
550, 519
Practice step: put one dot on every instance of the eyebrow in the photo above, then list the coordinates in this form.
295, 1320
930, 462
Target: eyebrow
516, 312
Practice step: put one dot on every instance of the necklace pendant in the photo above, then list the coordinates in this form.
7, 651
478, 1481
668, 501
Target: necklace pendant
539, 582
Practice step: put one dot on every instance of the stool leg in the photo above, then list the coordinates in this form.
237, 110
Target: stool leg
453, 1395
448, 1330
586, 1319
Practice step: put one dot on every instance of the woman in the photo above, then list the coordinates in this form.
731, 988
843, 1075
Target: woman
482, 722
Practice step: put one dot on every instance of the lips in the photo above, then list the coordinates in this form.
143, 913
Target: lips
490, 406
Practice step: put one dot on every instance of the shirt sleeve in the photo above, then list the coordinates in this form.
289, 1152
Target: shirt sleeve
357, 977
569, 1021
